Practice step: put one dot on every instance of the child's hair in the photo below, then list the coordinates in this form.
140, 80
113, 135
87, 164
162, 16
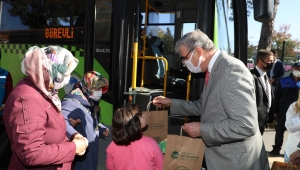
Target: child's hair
126, 125
297, 105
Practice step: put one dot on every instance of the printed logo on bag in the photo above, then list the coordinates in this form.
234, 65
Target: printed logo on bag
174, 154
157, 139
188, 156
182, 168
156, 126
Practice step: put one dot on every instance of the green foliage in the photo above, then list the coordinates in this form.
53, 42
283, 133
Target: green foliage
251, 50
166, 37
46, 12
168, 41
291, 45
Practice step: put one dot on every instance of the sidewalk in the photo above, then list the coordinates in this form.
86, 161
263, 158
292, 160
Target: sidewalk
269, 138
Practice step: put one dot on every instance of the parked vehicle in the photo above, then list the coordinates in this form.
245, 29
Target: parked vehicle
287, 67
250, 63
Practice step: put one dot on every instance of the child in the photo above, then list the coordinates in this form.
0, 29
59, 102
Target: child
292, 124
129, 148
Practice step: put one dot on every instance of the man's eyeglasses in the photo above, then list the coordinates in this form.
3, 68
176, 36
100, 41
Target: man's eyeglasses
184, 58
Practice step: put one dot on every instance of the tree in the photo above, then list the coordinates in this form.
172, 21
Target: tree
265, 40
251, 50
40, 14
165, 36
282, 35
168, 41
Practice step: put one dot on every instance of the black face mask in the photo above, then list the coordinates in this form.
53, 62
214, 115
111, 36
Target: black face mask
268, 67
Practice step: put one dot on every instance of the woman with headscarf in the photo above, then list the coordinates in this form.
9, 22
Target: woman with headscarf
33, 119
81, 110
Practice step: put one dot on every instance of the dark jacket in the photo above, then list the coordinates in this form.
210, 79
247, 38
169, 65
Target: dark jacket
286, 92
261, 99
278, 72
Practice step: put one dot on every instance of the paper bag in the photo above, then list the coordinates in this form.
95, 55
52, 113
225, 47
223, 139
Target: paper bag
283, 166
157, 124
183, 153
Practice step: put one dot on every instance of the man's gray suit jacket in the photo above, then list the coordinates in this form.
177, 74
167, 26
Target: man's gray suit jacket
229, 125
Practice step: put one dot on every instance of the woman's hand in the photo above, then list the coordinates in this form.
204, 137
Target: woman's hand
105, 132
81, 145
74, 123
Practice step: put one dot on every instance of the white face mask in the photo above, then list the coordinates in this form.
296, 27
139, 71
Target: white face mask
96, 95
296, 73
191, 67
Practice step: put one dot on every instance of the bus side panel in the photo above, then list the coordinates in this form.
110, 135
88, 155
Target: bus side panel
12, 55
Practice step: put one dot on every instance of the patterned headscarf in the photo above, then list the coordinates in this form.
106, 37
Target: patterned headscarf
43, 72
92, 81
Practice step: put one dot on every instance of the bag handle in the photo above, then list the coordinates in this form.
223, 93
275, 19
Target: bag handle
181, 131
148, 107
291, 166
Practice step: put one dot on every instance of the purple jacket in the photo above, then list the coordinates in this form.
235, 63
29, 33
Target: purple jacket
37, 131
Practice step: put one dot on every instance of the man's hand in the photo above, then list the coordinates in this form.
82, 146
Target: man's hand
271, 80
160, 101
74, 123
192, 129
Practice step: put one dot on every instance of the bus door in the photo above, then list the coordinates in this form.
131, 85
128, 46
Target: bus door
186, 21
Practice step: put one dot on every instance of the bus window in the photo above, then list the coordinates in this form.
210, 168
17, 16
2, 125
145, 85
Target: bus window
166, 33
47, 22
163, 26
103, 20
188, 27
102, 36
161, 18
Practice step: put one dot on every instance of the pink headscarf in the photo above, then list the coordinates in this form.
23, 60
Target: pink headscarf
38, 67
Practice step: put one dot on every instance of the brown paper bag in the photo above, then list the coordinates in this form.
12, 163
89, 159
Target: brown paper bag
157, 124
183, 153
284, 166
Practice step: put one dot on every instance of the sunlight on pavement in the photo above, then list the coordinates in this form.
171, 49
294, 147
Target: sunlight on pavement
269, 139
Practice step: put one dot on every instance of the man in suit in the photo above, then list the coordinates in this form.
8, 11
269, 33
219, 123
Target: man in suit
264, 62
277, 71
227, 106
275, 74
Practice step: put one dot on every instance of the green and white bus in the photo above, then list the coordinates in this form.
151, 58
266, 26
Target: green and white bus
102, 35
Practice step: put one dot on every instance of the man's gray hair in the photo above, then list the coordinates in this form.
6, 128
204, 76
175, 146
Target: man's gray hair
195, 39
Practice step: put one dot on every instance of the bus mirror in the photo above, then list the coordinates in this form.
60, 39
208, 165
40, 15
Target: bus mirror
263, 10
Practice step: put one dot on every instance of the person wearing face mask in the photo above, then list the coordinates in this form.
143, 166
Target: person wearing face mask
286, 92
81, 110
277, 71
33, 119
263, 91
227, 106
